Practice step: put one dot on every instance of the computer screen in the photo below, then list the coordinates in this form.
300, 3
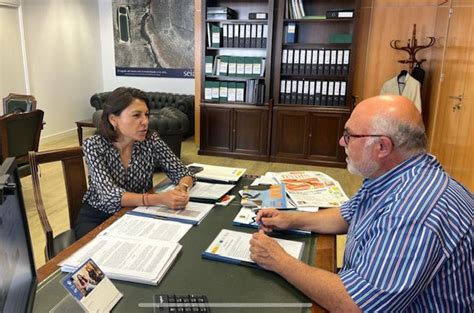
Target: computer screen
17, 269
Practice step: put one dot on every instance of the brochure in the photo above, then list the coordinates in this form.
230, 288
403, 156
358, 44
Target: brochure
193, 213
209, 192
218, 173
89, 286
273, 197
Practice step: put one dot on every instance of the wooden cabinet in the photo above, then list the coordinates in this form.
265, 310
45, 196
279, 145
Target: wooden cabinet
234, 131
308, 137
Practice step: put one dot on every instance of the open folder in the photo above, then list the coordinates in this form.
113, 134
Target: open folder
218, 173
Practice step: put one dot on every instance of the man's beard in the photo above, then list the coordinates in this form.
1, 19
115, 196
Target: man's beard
366, 168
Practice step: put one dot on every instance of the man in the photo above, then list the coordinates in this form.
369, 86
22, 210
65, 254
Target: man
409, 228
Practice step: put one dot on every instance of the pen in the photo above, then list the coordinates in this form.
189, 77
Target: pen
256, 209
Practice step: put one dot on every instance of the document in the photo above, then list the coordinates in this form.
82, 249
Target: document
141, 227
219, 173
273, 197
209, 192
312, 189
234, 247
143, 261
246, 218
193, 213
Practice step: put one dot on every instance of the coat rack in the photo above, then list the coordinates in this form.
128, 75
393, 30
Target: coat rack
412, 48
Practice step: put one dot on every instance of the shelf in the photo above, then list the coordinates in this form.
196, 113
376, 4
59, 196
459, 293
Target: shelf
315, 76
236, 104
316, 45
313, 108
234, 48
314, 20
238, 21
233, 78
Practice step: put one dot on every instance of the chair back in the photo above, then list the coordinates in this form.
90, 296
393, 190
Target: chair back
74, 180
16, 103
20, 133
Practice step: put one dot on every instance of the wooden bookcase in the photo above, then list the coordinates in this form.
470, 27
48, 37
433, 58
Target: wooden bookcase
276, 129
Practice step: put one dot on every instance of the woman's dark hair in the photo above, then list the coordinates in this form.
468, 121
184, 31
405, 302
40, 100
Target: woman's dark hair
116, 102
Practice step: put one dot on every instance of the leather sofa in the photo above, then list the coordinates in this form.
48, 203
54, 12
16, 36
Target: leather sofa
172, 115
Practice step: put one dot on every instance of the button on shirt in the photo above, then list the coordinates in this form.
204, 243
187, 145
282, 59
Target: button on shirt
410, 241
108, 178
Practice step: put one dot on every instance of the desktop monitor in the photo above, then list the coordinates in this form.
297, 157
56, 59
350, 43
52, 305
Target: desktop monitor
17, 269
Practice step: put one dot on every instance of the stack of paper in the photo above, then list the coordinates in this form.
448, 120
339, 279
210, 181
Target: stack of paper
132, 249
312, 189
209, 192
219, 173
193, 213
234, 247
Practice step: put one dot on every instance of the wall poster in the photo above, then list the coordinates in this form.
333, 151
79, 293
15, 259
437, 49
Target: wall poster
154, 38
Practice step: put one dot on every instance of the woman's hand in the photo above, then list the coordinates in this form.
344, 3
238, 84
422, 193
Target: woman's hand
174, 199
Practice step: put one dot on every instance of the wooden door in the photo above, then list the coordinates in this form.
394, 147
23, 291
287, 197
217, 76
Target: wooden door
216, 126
290, 134
250, 131
452, 139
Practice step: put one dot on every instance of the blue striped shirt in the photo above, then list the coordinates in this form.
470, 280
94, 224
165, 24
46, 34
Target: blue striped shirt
410, 241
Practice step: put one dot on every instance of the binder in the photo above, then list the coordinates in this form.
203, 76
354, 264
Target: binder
230, 35
302, 64
309, 61
314, 62
209, 35
232, 67
256, 66
330, 97
216, 36
299, 95
236, 35
225, 37
259, 35
242, 36
208, 90
324, 92
240, 66
215, 91
264, 36
253, 36
291, 33
340, 54
294, 91
248, 66
345, 62
231, 91
209, 64
240, 92
250, 91
332, 68
248, 33
289, 65
296, 61
306, 92
223, 92
342, 94
282, 90
224, 61
327, 62
312, 86
284, 61
321, 62
258, 15
317, 93
287, 99
337, 87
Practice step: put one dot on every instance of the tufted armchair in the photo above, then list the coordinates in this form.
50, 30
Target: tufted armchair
172, 115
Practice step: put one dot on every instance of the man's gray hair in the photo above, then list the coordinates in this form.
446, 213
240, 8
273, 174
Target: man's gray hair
408, 138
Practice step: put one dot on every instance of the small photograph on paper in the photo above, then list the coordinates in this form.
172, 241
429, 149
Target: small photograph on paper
82, 282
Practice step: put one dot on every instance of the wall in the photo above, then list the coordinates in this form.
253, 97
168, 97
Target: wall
177, 85
63, 52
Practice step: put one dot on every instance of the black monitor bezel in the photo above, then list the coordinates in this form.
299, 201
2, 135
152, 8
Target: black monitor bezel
9, 169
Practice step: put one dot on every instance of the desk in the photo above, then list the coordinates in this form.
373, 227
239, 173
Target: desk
79, 125
221, 282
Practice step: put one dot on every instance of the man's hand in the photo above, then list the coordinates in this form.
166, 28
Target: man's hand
266, 252
270, 219
175, 199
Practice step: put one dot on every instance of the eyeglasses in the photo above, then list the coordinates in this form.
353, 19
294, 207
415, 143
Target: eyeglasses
347, 136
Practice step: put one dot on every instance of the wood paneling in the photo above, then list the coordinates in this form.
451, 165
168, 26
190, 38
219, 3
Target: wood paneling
197, 71
363, 36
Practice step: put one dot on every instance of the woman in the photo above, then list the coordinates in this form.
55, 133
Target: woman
121, 159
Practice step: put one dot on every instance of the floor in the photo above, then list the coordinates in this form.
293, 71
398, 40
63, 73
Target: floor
54, 193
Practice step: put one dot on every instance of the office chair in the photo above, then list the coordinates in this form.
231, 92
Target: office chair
20, 133
76, 185
16, 103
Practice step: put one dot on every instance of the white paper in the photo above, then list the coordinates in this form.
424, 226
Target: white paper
219, 173
144, 261
140, 227
236, 245
210, 191
193, 213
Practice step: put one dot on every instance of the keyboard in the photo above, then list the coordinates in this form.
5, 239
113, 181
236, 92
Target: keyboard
180, 303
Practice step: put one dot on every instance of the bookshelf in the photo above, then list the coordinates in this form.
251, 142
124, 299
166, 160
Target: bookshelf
255, 103
236, 78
